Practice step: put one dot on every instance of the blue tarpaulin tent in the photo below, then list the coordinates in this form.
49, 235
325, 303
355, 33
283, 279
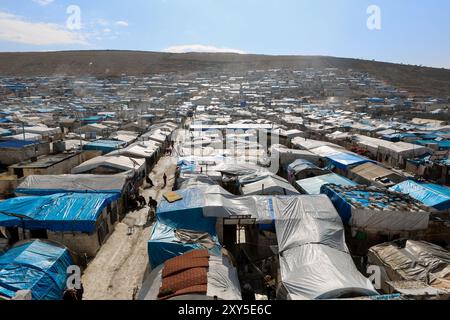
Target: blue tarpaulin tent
72, 212
105, 146
15, 144
186, 214
312, 185
442, 145
431, 195
37, 266
343, 160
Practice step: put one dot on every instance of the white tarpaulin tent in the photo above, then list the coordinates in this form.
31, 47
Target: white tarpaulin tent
90, 183
271, 185
315, 262
119, 163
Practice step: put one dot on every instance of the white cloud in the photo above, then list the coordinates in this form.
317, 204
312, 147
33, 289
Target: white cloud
122, 23
43, 2
107, 30
16, 29
200, 48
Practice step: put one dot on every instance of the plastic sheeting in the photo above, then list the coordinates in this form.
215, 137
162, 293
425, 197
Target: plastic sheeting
314, 259
118, 163
89, 183
208, 203
37, 266
313, 185
223, 281
340, 158
59, 212
413, 261
164, 245
194, 180
271, 185
432, 195
316, 271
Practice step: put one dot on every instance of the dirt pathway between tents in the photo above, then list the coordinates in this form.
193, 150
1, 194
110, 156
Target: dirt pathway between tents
120, 265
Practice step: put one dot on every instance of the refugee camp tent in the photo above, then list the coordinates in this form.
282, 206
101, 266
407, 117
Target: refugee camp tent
287, 156
370, 208
315, 262
195, 180
105, 146
26, 137
432, 195
77, 183
302, 169
313, 185
408, 260
72, 212
37, 266
271, 185
308, 144
113, 164
372, 174
222, 281
339, 158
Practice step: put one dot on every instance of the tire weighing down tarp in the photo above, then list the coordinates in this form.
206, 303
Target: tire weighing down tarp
432, 195
72, 212
77, 183
315, 262
37, 266
223, 281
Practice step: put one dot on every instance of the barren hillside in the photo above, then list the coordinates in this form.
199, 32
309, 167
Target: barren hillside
113, 63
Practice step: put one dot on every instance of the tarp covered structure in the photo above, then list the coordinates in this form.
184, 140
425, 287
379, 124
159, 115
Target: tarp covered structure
299, 166
116, 163
339, 158
37, 185
36, 266
370, 208
315, 262
432, 195
73, 212
373, 174
105, 146
314, 184
222, 281
271, 185
413, 261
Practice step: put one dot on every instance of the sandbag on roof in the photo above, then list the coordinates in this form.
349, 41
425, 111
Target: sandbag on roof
83, 183
38, 266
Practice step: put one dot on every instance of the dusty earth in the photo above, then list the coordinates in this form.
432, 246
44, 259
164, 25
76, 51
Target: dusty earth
118, 270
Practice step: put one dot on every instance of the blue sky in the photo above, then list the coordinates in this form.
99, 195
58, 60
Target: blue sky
412, 31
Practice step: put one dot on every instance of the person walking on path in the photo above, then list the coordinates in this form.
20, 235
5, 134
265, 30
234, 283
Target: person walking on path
165, 180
